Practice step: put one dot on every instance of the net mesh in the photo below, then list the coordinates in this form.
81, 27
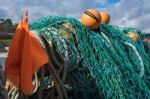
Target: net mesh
100, 63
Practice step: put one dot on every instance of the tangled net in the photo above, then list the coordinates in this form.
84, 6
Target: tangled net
103, 63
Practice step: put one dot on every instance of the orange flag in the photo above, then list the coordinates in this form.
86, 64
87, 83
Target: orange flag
26, 55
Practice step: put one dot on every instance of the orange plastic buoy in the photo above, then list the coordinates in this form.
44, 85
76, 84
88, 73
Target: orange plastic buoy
133, 35
105, 17
91, 18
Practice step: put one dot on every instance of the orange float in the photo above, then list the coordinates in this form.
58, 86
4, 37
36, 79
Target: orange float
133, 35
91, 18
105, 17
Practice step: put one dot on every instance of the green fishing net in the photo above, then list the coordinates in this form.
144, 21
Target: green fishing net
103, 63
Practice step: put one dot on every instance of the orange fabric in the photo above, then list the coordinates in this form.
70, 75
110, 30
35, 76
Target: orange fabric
25, 56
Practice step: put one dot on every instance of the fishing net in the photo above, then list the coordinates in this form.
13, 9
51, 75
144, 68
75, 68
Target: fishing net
102, 63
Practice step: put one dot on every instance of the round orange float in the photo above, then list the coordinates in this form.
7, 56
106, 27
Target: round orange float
91, 18
133, 35
105, 17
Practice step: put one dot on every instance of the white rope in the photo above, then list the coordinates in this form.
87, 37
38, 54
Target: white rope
139, 57
11, 90
104, 35
36, 84
16, 96
14, 93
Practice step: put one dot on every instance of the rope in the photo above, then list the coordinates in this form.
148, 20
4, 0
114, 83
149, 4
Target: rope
35, 83
14, 92
104, 35
139, 57
16, 96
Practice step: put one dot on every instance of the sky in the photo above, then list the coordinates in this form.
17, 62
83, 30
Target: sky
128, 13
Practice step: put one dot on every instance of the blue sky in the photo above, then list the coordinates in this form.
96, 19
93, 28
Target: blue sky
129, 13
113, 1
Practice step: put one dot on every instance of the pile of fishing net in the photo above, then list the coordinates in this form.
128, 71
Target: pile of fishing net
102, 63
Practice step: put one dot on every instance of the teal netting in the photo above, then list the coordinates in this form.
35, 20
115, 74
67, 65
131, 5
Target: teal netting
140, 41
103, 63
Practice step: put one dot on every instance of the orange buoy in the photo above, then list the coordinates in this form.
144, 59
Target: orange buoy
91, 18
105, 17
133, 35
